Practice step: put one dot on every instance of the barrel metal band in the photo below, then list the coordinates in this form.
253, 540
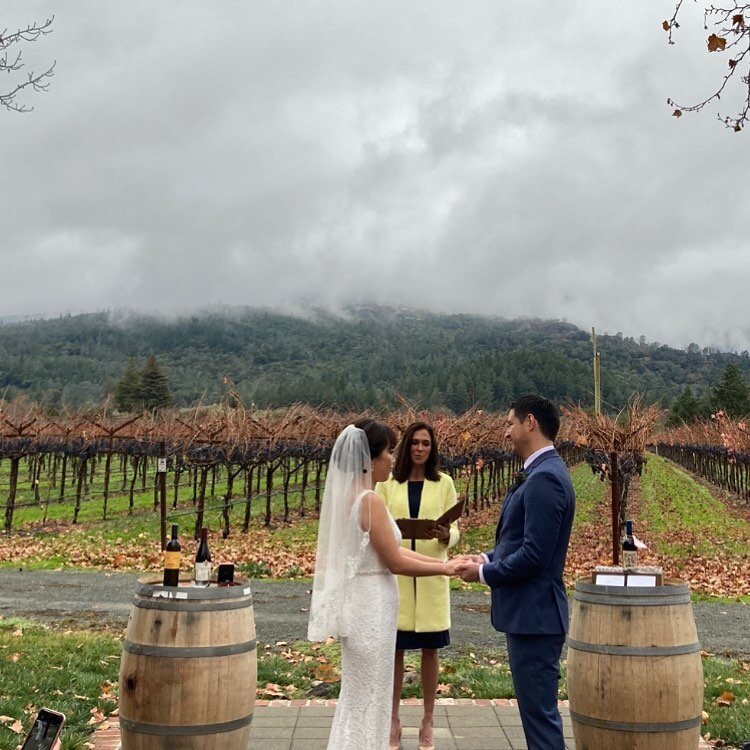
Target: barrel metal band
155, 591
181, 605
197, 652
655, 591
622, 726
185, 731
632, 601
603, 648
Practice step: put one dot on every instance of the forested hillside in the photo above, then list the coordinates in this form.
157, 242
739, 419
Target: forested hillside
362, 360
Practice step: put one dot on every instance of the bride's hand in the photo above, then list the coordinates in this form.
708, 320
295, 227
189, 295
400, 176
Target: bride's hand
453, 566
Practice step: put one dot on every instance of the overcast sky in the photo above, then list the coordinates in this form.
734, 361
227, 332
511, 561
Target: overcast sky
511, 158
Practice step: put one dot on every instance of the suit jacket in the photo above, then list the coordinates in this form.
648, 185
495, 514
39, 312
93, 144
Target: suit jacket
424, 602
525, 569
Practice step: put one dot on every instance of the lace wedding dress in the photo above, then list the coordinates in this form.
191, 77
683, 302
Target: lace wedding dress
363, 715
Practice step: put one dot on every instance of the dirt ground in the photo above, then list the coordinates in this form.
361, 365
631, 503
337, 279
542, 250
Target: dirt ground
97, 599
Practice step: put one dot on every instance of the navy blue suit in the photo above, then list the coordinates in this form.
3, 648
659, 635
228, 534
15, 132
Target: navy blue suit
529, 603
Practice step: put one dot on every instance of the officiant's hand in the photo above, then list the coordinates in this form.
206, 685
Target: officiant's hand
443, 533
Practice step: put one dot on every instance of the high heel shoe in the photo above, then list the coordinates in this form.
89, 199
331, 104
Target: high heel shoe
426, 740
397, 744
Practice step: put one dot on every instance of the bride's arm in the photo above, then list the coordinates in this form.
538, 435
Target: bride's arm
374, 514
416, 555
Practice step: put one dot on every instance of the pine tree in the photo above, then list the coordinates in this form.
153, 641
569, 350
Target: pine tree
127, 391
154, 388
685, 409
731, 394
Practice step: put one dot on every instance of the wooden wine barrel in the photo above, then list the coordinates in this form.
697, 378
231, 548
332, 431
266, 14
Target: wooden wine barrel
189, 668
635, 677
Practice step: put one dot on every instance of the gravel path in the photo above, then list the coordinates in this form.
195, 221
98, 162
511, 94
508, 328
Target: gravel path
92, 597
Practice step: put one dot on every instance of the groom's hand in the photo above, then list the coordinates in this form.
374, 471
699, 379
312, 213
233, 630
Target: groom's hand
469, 570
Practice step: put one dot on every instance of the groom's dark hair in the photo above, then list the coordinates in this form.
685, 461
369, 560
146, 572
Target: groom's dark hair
543, 410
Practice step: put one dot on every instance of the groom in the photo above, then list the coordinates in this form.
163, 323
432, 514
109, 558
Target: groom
525, 569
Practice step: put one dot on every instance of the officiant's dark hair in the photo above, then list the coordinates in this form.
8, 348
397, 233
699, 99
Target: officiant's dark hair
544, 411
402, 466
379, 436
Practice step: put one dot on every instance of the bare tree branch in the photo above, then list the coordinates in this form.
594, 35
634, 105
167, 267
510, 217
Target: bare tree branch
11, 61
730, 25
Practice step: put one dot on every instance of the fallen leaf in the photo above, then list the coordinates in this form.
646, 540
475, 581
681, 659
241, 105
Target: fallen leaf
326, 673
726, 699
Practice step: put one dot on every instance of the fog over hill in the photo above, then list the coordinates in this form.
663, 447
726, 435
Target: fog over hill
363, 358
479, 156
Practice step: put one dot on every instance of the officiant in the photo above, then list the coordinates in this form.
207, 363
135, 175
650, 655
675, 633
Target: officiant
418, 489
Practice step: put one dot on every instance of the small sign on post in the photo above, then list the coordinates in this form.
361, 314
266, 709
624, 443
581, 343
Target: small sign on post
161, 474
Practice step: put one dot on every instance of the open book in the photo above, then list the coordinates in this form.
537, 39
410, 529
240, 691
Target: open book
420, 528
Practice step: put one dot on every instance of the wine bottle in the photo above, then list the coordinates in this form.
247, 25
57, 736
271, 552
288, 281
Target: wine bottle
172, 560
202, 571
629, 554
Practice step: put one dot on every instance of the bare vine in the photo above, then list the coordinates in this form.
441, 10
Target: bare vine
11, 61
730, 26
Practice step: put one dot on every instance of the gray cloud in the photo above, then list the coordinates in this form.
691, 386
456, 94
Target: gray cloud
505, 158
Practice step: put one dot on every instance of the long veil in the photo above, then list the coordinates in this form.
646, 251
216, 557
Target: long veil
341, 541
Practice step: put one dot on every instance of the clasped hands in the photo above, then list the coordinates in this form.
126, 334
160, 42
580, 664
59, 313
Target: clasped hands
465, 566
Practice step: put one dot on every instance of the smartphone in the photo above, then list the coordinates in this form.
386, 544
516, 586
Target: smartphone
46, 730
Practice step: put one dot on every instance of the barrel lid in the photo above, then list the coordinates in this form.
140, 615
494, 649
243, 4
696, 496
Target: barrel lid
151, 587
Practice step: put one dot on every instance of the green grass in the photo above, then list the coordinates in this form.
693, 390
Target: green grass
64, 671
590, 493
730, 723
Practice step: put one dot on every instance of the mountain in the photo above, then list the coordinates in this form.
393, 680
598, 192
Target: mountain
364, 358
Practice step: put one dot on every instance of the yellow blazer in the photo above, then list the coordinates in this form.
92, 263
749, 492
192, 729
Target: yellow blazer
424, 602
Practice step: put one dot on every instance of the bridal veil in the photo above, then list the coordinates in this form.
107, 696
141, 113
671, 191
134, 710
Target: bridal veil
341, 541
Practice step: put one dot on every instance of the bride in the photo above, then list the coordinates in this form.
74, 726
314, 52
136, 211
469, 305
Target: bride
355, 598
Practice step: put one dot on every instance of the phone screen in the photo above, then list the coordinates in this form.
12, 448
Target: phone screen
45, 731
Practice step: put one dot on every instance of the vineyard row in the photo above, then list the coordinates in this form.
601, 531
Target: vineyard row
717, 464
202, 477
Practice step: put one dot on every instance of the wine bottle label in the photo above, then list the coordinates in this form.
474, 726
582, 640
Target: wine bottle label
203, 571
172, 560
629, 558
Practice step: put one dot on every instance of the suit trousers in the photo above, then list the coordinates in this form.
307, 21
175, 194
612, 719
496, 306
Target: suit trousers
535, 669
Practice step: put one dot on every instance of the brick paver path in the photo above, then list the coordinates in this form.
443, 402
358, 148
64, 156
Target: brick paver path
460, 724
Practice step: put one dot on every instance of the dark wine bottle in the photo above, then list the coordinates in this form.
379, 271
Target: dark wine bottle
202, 571
172, 560
629, 553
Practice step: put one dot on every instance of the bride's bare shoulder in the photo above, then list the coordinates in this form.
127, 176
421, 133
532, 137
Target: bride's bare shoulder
372, 508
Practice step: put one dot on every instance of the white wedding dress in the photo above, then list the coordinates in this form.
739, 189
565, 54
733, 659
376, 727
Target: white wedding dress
363, 715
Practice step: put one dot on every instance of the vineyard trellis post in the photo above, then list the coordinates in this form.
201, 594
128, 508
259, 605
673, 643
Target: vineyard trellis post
14, 465
615, 482
161, 468
10, 505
